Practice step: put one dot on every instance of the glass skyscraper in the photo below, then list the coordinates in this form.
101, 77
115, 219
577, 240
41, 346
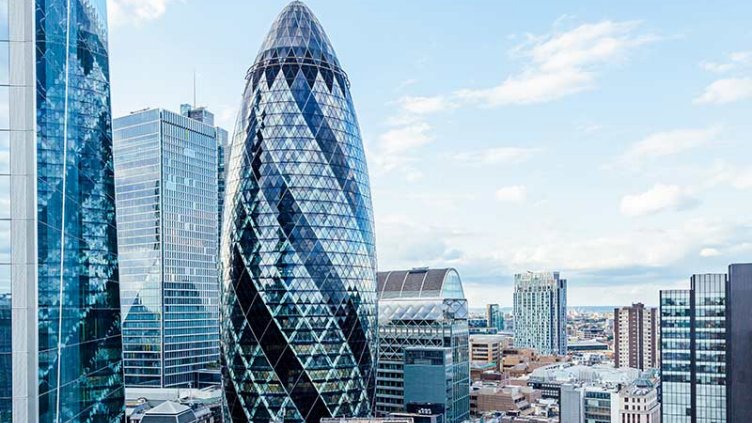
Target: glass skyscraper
706, 351
540, 312
60, 340
298, 254
423, 329
494, 317
693, 351
166, 177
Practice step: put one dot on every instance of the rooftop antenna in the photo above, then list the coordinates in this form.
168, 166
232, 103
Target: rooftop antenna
194, 88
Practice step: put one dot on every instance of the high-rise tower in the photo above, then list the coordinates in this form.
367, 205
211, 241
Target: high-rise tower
540, 312
298, 256
60, 340
166, 181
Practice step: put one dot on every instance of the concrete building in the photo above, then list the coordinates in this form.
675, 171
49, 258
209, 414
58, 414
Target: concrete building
638, 403
423, 336
540, 312
570, 403
607, 395
550, 379
488, 397
488, 348
636, 337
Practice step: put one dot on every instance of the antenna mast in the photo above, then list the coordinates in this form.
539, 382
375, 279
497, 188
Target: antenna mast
194, 88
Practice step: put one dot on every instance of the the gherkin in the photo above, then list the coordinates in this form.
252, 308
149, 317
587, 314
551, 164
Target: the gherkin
298, 255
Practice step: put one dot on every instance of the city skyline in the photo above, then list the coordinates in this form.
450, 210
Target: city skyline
632, 78
154, 266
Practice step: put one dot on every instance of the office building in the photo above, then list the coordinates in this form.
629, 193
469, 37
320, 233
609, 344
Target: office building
60, 353
705, 349
636, 337
739, 343
694, 351
540, 312
298, 254
422, 309
494, 317
166, 192
427, 375
488, 348
202, 114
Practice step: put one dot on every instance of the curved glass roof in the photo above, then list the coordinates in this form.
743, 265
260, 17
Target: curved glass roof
420, 283
297, 33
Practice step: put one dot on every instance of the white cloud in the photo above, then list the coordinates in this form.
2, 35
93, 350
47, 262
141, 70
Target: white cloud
134, 12
737, 177
736, 60
427, 245
657, 199
710, 252
495, 155
726, 90
395, 147
668, 143
406, 138
516, 194
424, 105
562, 63
649, 247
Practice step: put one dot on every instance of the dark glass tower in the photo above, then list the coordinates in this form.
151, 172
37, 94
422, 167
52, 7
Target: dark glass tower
60, 356
298, 256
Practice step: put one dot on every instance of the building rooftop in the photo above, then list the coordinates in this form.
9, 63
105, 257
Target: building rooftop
599, 374
420, 283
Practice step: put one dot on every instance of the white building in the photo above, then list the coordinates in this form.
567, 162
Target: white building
540, 312
638, 403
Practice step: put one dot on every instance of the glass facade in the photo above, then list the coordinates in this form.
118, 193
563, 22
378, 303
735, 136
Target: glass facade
298, 255
494, 317
540, 312
6, 297
739, 343
693, 351
422, 309
59, 294
166, 183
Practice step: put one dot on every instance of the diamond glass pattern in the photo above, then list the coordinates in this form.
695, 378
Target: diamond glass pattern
298, 255
80, 366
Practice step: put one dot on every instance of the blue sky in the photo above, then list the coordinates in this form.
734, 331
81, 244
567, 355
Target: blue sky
607, 140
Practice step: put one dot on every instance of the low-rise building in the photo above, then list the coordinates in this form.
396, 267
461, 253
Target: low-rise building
368, 420
488, 348
489, 397
205, 403
608, 395
172, 412
479, 369
638, 403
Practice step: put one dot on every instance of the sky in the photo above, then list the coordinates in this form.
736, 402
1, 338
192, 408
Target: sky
609, 141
